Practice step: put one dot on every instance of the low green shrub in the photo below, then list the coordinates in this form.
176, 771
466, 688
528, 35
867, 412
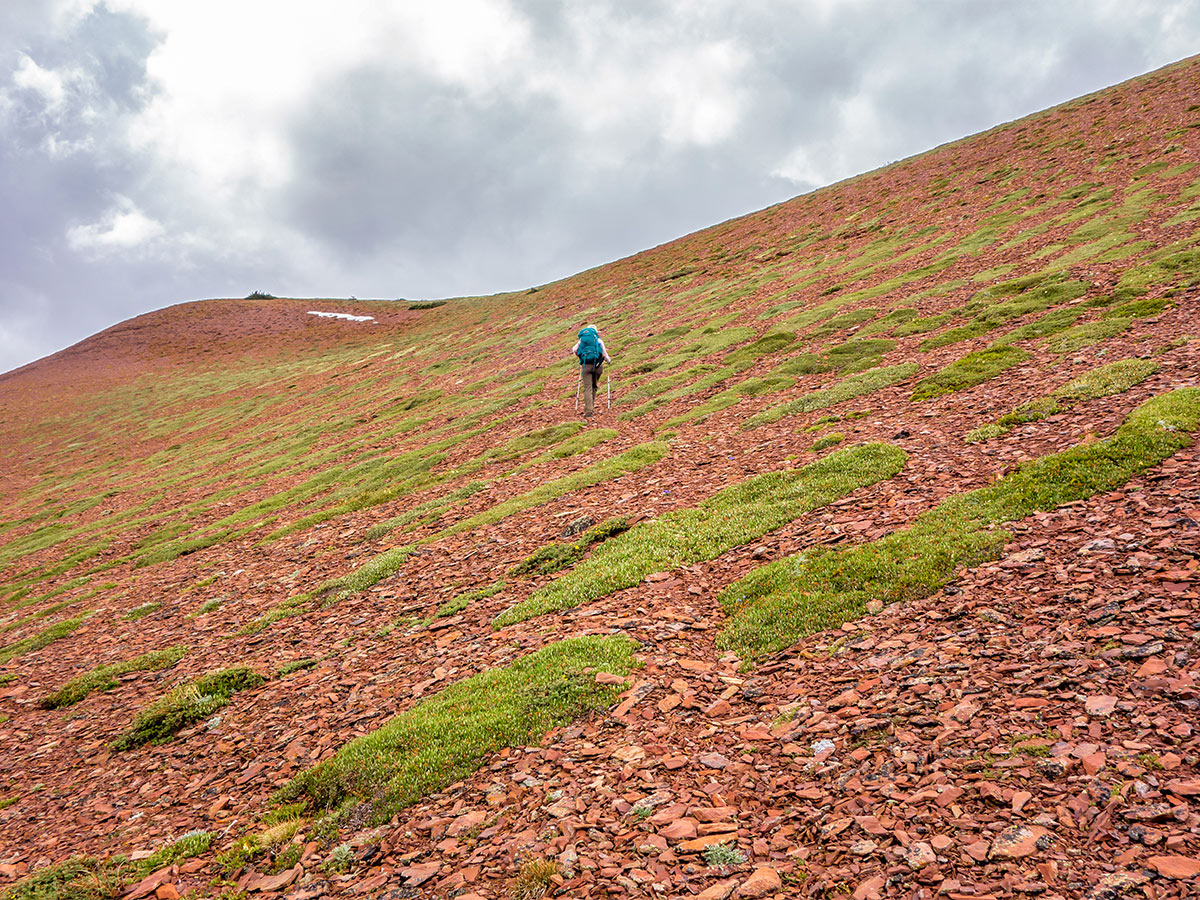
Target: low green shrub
43, 638
89, 878
445, 738
556, 556
1080, 336
185, 704
780, 603
462, 601
1105, 381
731, 517
847, 389
826, 441
297, 665
104, 678
970, 370
771, 342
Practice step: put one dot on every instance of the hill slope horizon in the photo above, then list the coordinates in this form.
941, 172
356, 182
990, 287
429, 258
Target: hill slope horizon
878, 575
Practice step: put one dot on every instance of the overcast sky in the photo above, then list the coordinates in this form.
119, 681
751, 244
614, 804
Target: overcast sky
157, 151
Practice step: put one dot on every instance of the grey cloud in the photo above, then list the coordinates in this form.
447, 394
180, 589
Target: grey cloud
48, 297
423, 171
381, 162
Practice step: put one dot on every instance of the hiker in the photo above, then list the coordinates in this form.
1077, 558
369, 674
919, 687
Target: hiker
592, 357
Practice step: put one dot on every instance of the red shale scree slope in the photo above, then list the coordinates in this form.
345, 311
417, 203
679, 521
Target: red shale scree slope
338, 506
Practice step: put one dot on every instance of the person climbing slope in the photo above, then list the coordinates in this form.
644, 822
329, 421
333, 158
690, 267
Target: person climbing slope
592, 357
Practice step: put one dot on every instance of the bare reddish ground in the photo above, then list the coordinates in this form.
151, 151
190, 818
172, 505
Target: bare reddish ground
1084, 633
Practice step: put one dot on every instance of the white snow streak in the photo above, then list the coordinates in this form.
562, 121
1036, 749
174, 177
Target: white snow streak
347, 316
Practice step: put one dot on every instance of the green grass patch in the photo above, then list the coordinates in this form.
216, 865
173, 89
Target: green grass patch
970, 370
826, 441
771, 342
782, 602
984, 433
894, 319
1080, 336
460, 602
1053, 322
279, 827
389, 562
446, 738
845, 320
631, 460
996, 305
850, 356
1191, 214
425, 512
751, 387
579, 443
700, 343
955, 335
847, 389
521, 445
557, 556
141, 611
104, 678
1137, 309
177, 549
1032, 411
1105, 381
208, 606
668, 382
922, 325
297, 665
1177, 266
728, 519
185, 704
711, 379
41, 639
89, 878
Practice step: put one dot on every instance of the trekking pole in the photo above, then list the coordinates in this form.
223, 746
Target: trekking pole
610, 390
578, 388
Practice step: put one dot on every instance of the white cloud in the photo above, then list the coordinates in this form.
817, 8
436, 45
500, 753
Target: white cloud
698, 90
799, 168
124, 227
855, 141
66, 13
229, 75
478, 44
47, 83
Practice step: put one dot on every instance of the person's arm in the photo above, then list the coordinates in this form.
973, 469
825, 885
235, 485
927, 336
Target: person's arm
575, 349
604, 351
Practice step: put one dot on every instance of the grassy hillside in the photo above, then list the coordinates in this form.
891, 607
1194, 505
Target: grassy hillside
296, 602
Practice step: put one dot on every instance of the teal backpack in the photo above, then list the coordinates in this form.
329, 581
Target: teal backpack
589, 346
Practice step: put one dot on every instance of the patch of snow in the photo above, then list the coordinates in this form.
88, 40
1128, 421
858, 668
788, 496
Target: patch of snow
347, 316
